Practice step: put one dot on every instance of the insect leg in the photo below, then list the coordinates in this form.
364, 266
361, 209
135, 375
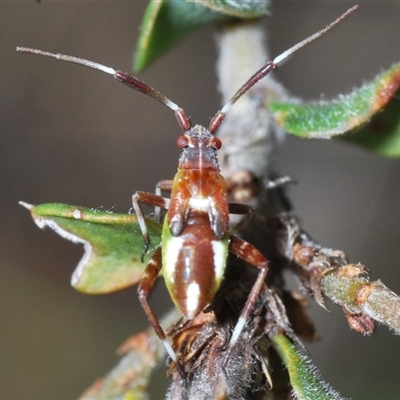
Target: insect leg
279, 182
238, 208
165, 185
241, 209
152, 200
250, 254
145, 286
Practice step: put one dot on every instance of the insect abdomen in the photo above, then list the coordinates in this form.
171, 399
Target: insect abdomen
193, 264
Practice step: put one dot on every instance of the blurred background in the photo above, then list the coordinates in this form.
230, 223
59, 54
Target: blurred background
70, 134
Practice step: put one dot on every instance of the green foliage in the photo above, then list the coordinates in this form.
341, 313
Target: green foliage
113, 244
304, 378
166, 22
382, 133
347, 113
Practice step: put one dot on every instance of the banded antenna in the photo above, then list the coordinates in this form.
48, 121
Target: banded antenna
180, 114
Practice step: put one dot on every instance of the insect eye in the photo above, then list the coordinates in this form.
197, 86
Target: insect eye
215, 143
182, 142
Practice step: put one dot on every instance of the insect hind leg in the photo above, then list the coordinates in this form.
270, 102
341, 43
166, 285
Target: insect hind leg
251, 255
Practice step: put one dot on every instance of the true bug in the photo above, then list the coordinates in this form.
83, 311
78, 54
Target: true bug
196, 237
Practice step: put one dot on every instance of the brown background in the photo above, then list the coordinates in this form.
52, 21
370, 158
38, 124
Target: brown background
69, 134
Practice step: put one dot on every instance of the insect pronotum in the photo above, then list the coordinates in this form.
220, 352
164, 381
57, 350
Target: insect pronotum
195, 238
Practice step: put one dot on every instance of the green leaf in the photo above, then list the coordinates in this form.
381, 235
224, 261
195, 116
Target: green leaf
113, 244
304, 378
325, 119
382, 133
166, 22
238, 8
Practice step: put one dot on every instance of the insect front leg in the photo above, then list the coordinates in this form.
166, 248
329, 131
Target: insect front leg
251, 255
146, 285
166, 186
152, 200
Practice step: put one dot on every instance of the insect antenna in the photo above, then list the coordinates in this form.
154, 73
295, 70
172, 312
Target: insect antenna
267, 68
123, 77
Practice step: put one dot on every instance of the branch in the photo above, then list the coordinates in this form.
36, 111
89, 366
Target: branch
326, 272
361, 299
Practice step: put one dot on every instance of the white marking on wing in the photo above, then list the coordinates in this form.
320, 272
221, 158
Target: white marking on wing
193, 295
170, 255
220, 254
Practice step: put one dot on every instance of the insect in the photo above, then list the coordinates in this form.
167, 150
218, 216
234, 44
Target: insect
196, 237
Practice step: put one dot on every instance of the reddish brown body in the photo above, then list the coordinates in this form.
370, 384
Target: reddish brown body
195, 236
194, 278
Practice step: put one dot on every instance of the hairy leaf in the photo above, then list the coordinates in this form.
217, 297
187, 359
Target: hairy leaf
113, 244
237, 8
304, 378
325, 119
166, 22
